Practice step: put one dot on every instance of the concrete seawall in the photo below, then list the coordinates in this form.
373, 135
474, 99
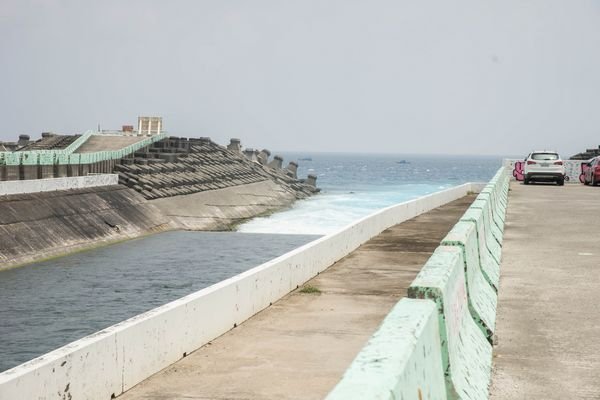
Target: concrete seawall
34, 226
55, 184
221, 210
112, 361
51, 217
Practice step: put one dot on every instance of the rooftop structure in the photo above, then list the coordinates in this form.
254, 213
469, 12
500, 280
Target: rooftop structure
149, 126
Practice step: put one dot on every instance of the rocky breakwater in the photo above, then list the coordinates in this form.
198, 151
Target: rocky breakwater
201, 185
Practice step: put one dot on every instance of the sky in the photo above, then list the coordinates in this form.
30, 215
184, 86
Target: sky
496, 77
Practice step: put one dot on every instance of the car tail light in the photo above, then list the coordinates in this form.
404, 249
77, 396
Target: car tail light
558, 163
530, 162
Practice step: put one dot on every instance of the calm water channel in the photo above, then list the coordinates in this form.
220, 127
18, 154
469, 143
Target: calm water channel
49, 304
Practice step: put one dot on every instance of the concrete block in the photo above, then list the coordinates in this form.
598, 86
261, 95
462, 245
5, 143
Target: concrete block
73, 170
277, 162
47, 171
30, 158
497, 207
30, 171
481, 293
54, 184
13, 159
311, 180
12, 172
486, 205
466, 353
89, 357
234, 145
61, 170
488, 263
402, 360
474, 213
23, 140
293, 169
263, 156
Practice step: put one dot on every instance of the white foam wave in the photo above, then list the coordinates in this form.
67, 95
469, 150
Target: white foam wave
327, 212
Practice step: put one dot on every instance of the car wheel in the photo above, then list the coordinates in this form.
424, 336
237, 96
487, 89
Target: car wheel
593, 180
561, 181
526, 181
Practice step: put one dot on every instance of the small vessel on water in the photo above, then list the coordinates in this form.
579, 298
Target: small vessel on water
402, 162
305, 159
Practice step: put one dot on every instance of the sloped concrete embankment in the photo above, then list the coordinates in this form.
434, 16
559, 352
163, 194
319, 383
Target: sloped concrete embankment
112, 361
437, 344
34, 226
222, 209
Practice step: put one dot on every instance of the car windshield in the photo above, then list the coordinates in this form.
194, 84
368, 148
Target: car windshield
544, 156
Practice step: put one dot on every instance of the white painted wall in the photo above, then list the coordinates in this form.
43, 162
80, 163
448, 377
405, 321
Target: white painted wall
117, 358
52, 184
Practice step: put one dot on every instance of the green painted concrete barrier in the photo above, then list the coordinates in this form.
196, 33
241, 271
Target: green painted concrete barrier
502, 179
500, 195
481, 293
78, 142
498, 210
68, 155
466, 353
485, 205
488, 263
478, 216
12, 158
74, 158
462, 278
499, 201
30, 158
402, 360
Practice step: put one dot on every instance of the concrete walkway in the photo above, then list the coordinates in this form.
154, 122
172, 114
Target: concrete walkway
300, 347
107, 143
548, 321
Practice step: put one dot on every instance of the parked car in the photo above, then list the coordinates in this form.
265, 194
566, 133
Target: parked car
591, 174
544, 166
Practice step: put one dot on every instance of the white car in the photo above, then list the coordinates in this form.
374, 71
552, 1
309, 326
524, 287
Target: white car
544, 166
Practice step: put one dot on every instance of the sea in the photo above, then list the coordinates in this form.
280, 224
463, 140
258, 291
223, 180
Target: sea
48, 304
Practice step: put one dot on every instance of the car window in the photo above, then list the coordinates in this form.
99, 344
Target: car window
544, 156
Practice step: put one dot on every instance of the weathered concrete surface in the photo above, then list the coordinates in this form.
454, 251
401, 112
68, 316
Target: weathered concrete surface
300, 347
181, 166
221, 209
54, 184
548, 321
39, 225
108, 143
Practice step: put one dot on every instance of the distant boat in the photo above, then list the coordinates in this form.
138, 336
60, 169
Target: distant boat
402, 162
305, 159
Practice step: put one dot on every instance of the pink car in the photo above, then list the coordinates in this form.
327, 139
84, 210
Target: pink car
591, 172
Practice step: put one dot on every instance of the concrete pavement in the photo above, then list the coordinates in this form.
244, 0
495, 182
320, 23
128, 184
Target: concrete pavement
300, 347
548, 320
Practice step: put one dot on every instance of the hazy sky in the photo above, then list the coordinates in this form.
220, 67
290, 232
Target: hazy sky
455, 77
